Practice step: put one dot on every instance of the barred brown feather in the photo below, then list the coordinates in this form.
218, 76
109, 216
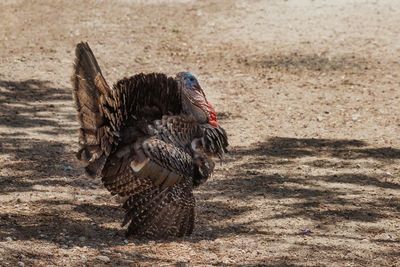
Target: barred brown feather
136, 137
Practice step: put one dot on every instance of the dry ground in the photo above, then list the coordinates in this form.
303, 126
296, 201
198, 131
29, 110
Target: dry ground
307, 90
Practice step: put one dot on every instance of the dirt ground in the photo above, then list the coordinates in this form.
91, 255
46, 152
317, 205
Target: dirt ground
308, 92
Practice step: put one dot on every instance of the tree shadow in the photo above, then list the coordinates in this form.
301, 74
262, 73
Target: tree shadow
33, 163
57, 226
217, 216
22, 102
357, 179
30, 162
320, 198
28, 109
302, 147
14, 255
211, 213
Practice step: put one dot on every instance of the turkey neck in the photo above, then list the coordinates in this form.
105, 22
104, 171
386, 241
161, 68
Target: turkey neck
190, 108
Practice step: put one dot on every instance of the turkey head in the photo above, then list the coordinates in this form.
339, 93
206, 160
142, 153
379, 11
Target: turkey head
194, 101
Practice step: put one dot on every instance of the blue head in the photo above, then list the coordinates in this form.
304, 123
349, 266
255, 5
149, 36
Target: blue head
189, 81
194, 100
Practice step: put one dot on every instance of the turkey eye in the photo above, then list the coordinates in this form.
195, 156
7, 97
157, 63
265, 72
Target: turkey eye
191, 79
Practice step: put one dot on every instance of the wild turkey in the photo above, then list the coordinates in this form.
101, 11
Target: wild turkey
150, 138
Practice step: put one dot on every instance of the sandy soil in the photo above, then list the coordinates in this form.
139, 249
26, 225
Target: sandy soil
307, 90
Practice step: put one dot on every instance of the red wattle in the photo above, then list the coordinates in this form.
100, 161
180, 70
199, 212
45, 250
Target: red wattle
212, 120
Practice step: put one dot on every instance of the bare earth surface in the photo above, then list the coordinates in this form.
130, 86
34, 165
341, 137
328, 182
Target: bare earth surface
308, 92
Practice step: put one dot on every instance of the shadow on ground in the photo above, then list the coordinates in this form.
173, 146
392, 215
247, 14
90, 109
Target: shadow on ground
28, 109
302, 147
321, 198
32, 158
21, 103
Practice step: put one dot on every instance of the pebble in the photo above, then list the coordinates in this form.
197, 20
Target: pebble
8, 239
21, 264
305, 231
103, 258
82, 238
355, 117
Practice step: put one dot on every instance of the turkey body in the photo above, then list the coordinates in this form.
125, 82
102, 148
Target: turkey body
151, 139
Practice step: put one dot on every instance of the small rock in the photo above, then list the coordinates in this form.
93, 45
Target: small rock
103, 258
305, 231
82, 239
355, 117
126, 241
9, 239
83, 258
21, 264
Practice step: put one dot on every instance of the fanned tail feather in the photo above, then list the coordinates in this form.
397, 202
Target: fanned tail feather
89, 88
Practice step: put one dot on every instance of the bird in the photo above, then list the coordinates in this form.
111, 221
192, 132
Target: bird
151, 139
